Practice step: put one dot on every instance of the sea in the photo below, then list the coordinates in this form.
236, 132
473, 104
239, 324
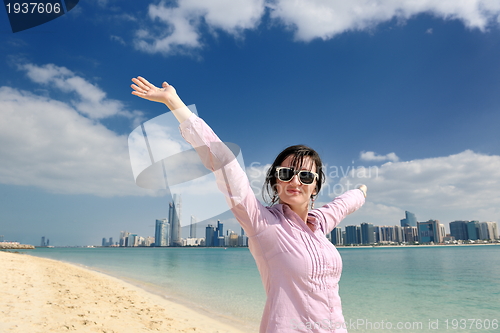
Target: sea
383, 289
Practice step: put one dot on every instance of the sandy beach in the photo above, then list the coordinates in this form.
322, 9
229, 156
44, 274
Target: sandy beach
39, 295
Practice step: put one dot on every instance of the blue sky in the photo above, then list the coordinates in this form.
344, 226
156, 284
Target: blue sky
407, 90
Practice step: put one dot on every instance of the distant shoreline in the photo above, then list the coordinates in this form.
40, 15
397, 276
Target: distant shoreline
403, 246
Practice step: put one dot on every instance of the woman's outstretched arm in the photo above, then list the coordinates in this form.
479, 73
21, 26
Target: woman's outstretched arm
166, 95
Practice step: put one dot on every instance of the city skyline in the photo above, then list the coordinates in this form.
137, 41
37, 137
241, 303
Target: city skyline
410, 231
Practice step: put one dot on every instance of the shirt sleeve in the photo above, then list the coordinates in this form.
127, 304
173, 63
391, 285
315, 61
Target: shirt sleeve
331, 214
232, 181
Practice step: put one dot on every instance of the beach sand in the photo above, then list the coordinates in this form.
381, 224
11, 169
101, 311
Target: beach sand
39, 295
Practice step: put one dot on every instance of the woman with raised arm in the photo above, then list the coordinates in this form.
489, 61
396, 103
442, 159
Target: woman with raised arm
299, 267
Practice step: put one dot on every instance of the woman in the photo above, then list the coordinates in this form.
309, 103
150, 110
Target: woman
299, 267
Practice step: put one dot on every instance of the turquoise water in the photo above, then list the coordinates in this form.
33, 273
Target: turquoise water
418, 289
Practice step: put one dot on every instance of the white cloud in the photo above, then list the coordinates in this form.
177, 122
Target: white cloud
118, 39
183, 22
178, 29
47, 144
326, 18
91, 100
460, 186
372, 156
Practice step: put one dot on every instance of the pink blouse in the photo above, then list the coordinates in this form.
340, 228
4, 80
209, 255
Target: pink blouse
300, 268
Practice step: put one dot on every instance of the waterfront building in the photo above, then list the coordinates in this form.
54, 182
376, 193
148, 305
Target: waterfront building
352, 235
42, 243
409, 221
149, 241
336, 236
174, 217
430, 231
398, 234
209, 235
367, 233
104, 242
233, 239
194, 242
243, 239
376, 230
123, 238
162, 233
386, 234
192, 227
410, 234
132, 240
473, 230
488, 231
458, 229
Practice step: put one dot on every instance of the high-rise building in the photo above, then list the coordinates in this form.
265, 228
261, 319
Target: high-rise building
398, 234
1, 238
162, 233
174, 217
409, 221
458, 229
488, 231
410, 234
42, 243
352, 234
242, 239
132, 240
219, 234
104, 242
473, 230
232, 239
336, 236
123, 238
386, 234
209, 235
192, 227
430, 231
367, 233
376, 229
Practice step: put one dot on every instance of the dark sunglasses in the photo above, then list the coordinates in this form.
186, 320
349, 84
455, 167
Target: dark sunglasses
286, 174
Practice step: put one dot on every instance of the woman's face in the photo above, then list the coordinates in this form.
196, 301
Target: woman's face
294, 193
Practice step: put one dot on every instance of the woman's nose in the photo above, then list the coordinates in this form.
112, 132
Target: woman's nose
295, 179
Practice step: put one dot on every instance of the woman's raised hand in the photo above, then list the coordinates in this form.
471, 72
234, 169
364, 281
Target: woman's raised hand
166, 95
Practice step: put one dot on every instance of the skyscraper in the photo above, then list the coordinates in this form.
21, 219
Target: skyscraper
336, 236
367, 233
162, 233
352, 234
209, 235
409, 221
174, 217
430, 231
458, 229
488, 231
192, 227
473, 230
410, 234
